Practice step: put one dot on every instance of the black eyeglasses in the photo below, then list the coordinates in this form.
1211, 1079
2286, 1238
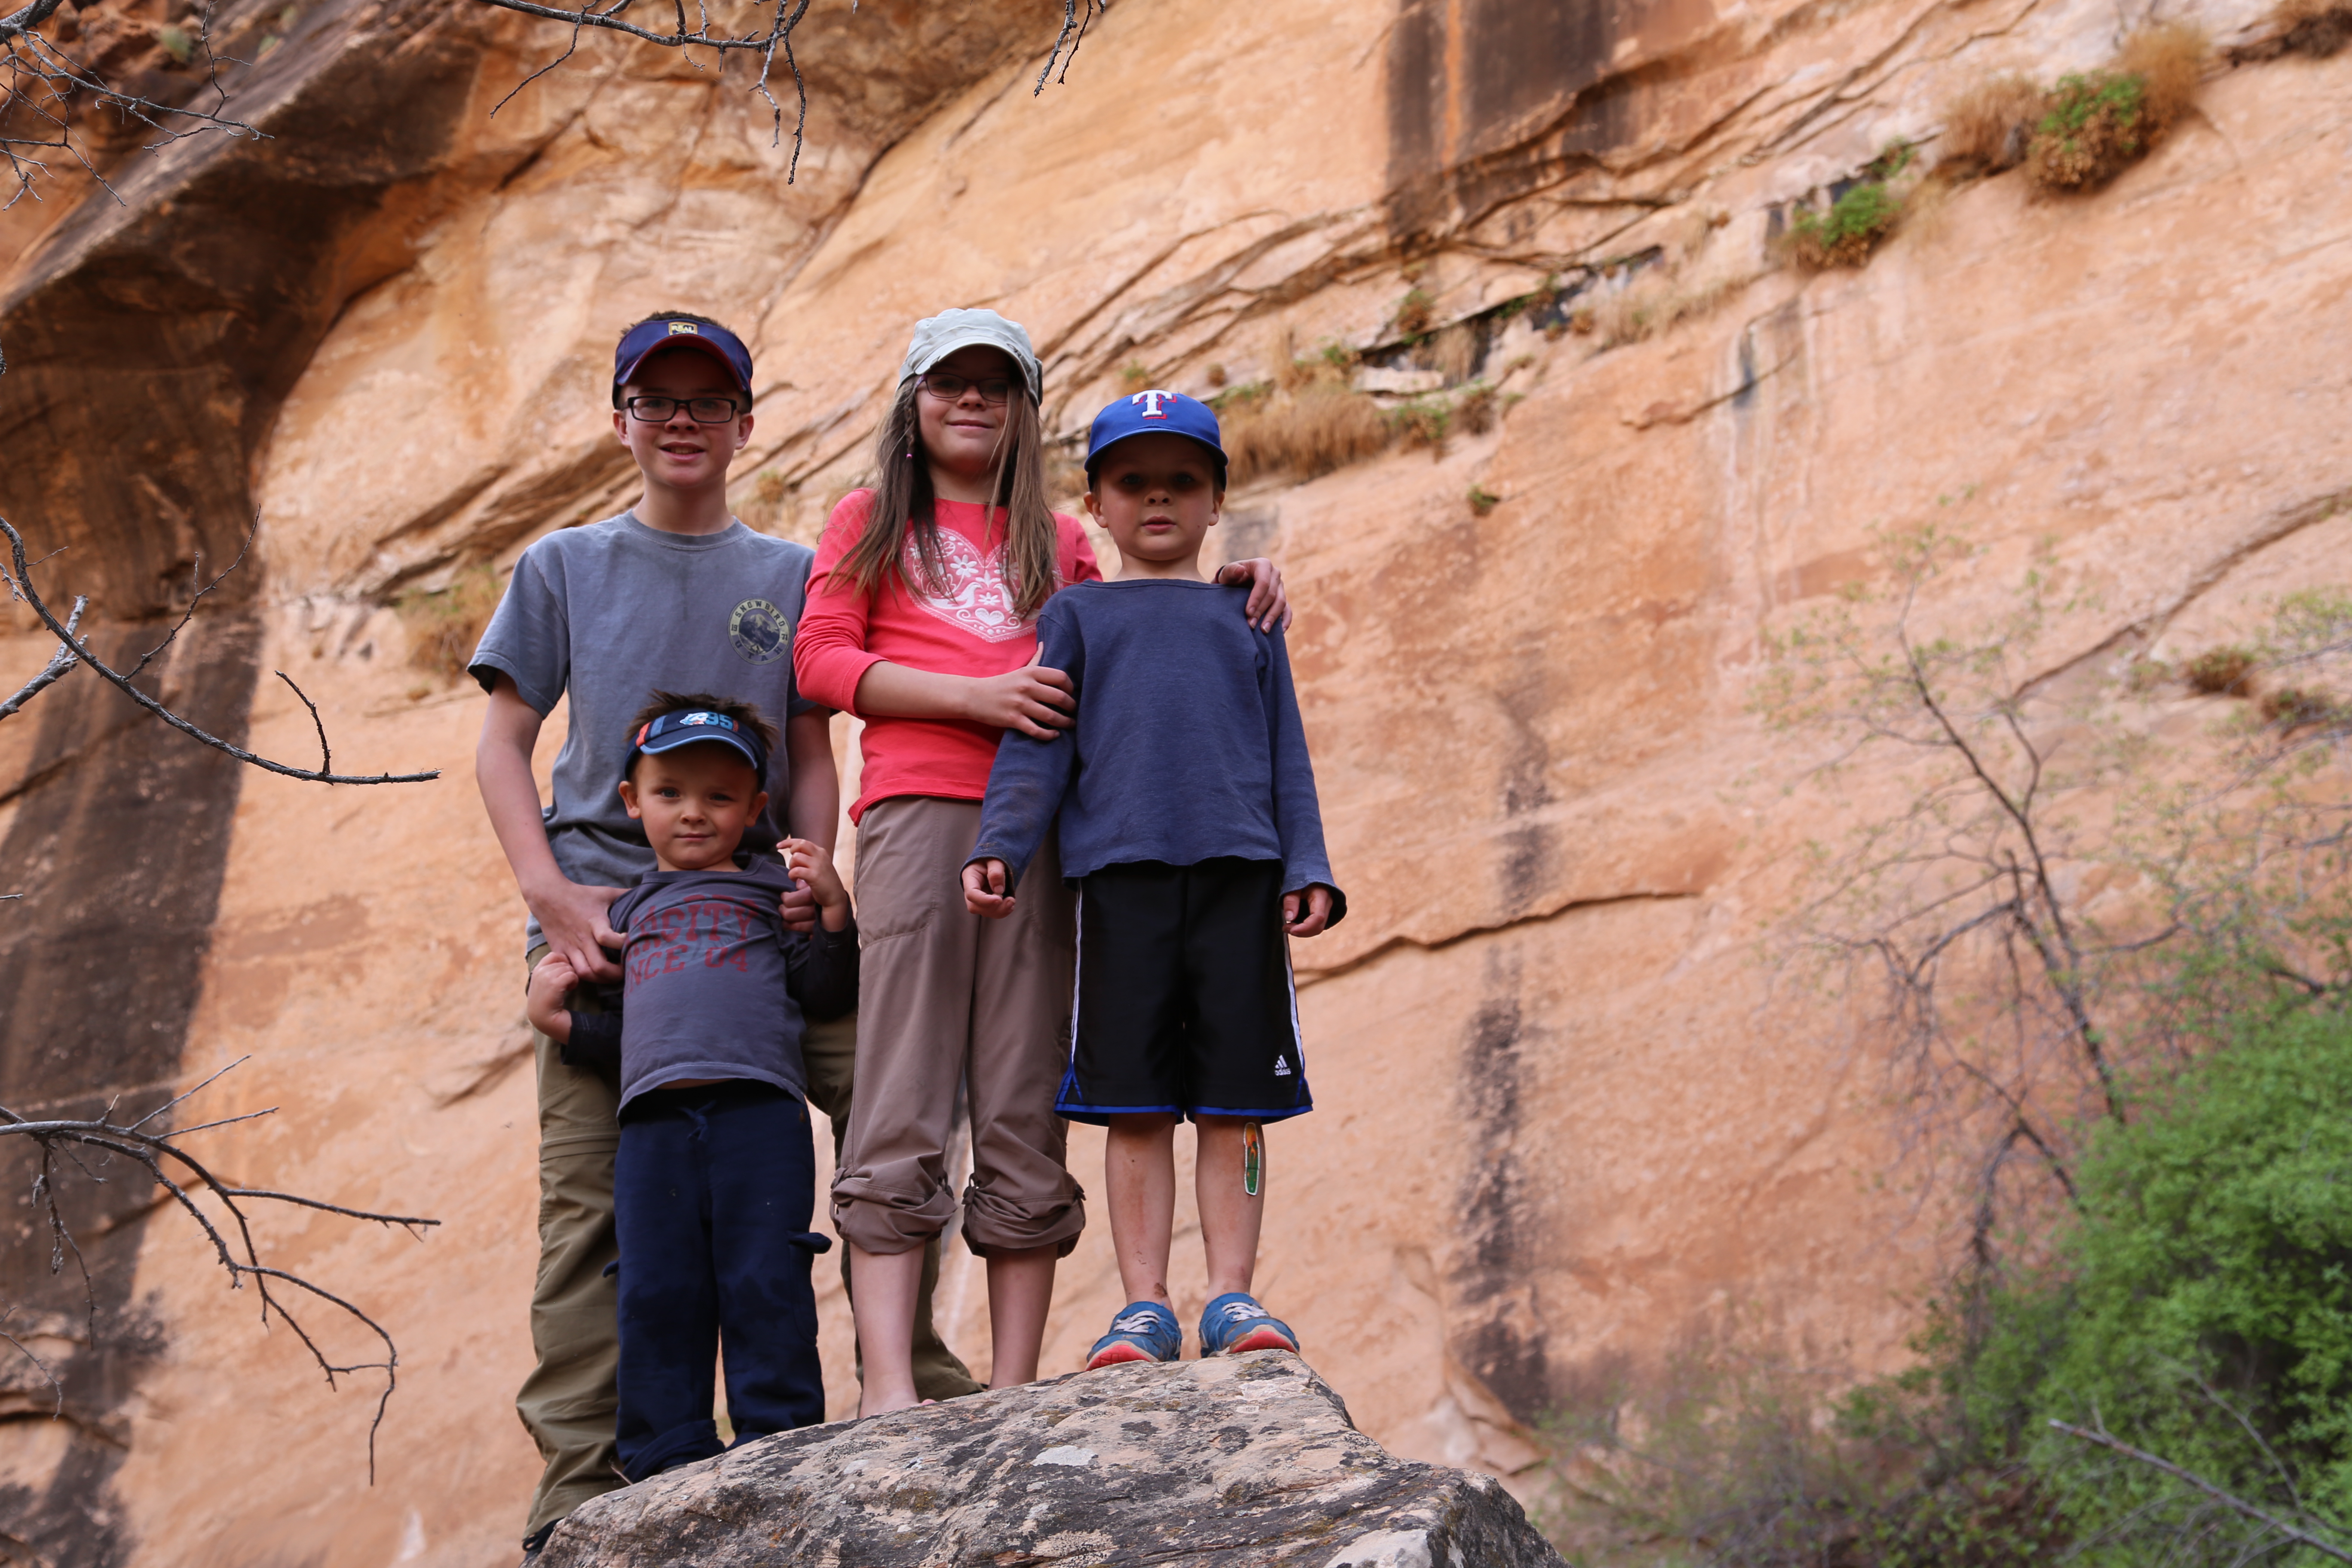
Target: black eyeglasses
948, 388
703, 410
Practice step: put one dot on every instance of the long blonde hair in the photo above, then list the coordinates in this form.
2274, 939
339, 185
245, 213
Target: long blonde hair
901, 496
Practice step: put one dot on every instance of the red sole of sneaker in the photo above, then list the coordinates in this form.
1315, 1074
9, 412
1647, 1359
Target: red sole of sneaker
1261, 1340
1116, 1354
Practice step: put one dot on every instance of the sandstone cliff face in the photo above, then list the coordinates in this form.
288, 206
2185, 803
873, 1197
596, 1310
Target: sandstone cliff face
1570, 1123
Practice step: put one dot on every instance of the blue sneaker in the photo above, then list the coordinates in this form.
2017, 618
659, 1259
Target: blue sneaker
1234, 1324
1143, 1330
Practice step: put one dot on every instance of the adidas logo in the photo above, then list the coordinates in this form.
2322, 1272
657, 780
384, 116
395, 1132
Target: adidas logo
1281, 1066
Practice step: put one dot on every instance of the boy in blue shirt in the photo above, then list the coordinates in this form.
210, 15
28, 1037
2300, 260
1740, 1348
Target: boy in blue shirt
1188, 823
715, 1178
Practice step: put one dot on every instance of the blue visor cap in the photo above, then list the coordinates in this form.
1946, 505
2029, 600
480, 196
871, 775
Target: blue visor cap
1169, 413
668, 332
693, 727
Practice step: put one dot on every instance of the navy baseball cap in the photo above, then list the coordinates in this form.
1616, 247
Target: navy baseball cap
1147, 412
693, 727
676, 331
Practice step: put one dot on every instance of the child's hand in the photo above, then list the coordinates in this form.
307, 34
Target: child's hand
813, 868
1268, 602
544, 1000
985, 885
1032, 699
1306, 913
797, 908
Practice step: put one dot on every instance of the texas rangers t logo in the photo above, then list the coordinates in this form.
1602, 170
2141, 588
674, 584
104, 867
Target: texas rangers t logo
1150, 402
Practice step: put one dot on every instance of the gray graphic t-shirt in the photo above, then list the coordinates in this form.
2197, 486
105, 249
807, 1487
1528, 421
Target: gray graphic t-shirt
715, 987
608, 614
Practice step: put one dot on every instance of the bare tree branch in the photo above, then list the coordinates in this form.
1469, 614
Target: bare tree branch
155, 1151
21, 584
42, 87
64, 660
1070, 18
2117, 1444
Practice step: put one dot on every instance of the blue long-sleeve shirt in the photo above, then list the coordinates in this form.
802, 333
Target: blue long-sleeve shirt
1188, 744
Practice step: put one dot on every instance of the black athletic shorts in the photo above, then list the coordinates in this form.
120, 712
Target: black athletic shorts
1184, 1002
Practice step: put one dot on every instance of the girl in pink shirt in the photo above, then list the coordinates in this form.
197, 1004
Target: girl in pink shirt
927, 632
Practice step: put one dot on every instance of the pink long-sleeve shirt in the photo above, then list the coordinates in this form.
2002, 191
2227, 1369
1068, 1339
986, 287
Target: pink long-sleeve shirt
969, 629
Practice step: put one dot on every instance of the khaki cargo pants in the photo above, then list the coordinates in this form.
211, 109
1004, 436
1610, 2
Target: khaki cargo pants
568, 1403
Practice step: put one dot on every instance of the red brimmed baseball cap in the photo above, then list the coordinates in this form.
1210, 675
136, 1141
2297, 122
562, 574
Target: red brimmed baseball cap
658, 332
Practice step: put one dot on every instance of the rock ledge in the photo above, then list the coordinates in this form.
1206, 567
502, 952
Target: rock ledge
1248, 1459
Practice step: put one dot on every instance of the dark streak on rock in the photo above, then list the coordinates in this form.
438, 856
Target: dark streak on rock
150, 350
1500, 1338
1489, 100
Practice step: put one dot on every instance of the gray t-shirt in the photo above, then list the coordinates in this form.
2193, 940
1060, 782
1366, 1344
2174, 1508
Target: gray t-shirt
614, 610
714, 987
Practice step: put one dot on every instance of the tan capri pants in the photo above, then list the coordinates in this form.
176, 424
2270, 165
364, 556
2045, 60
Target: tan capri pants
944, 996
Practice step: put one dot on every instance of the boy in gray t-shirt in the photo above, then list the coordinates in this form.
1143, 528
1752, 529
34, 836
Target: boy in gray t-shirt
673, 594
715, 1179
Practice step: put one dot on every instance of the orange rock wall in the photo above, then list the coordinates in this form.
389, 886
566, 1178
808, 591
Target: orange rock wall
1570, 1120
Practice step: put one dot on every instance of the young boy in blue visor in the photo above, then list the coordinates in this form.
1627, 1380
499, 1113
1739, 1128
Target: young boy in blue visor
715, 1178
1188, 823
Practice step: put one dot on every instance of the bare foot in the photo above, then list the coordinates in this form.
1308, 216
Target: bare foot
877, 1402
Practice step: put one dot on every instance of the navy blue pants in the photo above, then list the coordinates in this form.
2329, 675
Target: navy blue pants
712, 1191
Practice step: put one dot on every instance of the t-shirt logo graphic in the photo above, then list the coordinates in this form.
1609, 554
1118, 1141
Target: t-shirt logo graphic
1150, 403
759, 630
974, 596
689, 327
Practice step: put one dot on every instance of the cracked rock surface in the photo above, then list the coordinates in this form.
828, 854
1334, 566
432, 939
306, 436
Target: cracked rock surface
1250, 1460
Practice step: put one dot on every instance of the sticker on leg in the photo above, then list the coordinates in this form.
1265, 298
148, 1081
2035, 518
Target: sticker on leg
1252, 1157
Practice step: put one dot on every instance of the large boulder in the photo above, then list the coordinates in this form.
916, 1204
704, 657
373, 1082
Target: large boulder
1247, 1459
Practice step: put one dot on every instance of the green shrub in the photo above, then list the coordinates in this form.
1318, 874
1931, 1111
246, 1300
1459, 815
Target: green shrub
2199, 1308
2095, 125
1857, 221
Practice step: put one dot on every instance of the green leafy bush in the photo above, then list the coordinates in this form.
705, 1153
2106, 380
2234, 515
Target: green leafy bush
1857, 221
2095, 125
2208, 1312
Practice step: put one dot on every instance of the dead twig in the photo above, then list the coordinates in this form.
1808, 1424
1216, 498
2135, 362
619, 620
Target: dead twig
21, 584
2117, 1444
180, 1174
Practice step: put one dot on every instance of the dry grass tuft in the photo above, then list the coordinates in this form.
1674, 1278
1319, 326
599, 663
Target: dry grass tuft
1646, 307
2170, 58
1308, 428
1989, 127
1454, 352
444, 624
1474, 408
2293, 707
2316, 28
2219, 671
2095, 126
1415, 311
1424, 422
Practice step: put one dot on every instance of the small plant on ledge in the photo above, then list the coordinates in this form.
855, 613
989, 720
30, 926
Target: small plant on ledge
1858, 221
2098, 124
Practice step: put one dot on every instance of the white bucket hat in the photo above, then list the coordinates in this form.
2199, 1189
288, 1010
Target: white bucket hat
936, 337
